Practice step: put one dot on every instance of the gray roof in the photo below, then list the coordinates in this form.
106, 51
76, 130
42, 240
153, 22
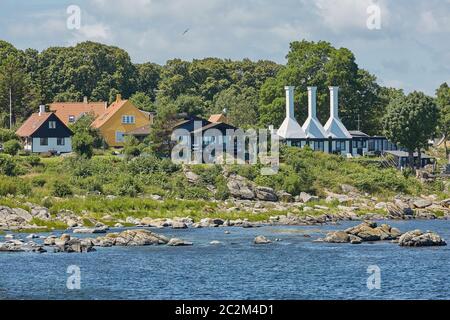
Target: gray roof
358, 134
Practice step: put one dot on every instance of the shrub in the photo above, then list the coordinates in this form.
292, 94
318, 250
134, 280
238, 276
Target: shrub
11, 147
61, 189
82, 144
8, 186
127, 186
131, 147
222, 191
6, 135
7, 165
38, 182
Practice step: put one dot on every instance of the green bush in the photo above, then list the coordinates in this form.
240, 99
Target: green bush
61, 189
131, 147
11, 147
38, 182
7, 165
6, 135
7, 186
82, 144
127, 186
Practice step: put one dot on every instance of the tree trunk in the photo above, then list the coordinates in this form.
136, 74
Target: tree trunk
411, 159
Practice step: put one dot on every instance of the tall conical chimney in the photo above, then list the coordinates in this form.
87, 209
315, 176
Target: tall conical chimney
289, 102
312, 105
334, 102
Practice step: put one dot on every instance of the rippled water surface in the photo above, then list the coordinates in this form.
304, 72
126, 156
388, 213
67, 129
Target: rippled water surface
294, 268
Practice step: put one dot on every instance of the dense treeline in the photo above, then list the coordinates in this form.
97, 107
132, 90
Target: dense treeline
251, 91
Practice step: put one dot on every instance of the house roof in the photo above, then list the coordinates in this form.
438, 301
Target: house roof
313, 129
217, 118
109, 112
290, 129
403, 154
358, 134
336, 129
213, 125
65, 109
141, 131
33, 123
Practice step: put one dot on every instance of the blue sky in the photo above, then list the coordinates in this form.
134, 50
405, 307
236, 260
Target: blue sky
411, 50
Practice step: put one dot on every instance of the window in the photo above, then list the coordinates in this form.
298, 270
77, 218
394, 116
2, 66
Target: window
43, 141
119, 136
52, 124
71, 119
318, 145
60, 141
128, 119
340, 146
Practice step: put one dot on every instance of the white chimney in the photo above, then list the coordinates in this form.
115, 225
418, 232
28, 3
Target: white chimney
41, 109
312, 105
289, 102
334, 102
85, 99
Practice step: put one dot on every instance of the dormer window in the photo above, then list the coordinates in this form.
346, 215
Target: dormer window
127, 119
71, 119
52, 124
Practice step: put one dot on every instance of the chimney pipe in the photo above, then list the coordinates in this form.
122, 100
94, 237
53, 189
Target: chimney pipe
312, 104
334, 102
85, 99
118, 97
41, 109
289, 102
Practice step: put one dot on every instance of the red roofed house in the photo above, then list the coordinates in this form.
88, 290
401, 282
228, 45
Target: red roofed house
69, 112
45, 132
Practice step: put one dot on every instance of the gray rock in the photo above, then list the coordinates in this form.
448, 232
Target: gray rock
175, 242
417, 238
102, 229
306, 197
179, 225
422, 203
266, 194
284, 196
337, 237
261, 240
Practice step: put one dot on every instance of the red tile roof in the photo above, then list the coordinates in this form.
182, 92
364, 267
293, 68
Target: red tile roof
65, 109
105, 116
33, 123
215, 118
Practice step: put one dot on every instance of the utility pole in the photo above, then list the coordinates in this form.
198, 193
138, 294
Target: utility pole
10, 108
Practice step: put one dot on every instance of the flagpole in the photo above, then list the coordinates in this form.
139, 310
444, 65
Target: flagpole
10, 108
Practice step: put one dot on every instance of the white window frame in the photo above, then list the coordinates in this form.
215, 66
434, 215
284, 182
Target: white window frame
128, 119
58, 140
52, 124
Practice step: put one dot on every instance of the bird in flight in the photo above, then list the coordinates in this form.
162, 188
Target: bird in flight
185, 31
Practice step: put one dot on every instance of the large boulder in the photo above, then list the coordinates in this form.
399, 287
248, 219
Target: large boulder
337, 237
370, 231
261, 240
417, 238
422, 203
240, 187
131, 238
284, 196
266, 194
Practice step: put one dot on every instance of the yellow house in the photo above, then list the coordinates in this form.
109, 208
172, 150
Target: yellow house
122, 116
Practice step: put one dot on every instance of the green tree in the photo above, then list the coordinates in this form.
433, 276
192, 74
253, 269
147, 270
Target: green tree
11, 147
149, 75
160, 135
241, 106
82, 144
131, 147
83, 125
410, 121
443, 102
142, 101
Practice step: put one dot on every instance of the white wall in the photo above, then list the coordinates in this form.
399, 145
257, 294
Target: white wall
52, 145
